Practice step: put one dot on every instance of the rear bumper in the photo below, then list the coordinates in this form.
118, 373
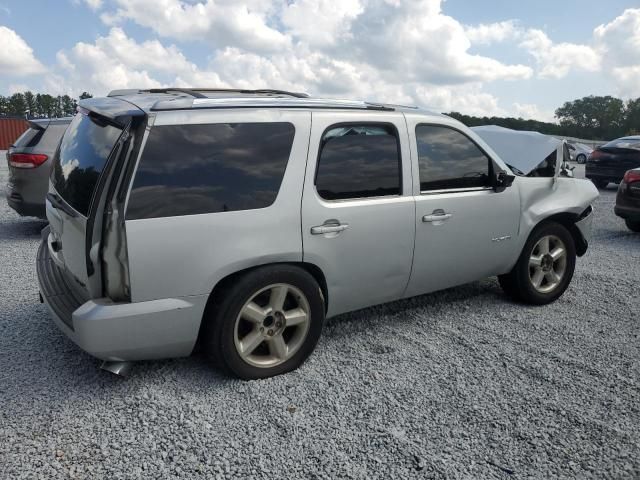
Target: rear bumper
25, 209
628, 213
110, 331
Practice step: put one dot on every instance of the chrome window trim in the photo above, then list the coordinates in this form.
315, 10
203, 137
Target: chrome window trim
454, 190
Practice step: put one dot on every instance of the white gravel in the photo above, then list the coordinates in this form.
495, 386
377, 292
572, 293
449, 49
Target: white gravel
456, 384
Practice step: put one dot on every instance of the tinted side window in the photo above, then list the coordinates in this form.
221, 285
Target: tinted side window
449, 159
192, 169
359, 161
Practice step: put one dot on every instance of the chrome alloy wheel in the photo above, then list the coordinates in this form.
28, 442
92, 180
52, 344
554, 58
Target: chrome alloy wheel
272, 325
547, 263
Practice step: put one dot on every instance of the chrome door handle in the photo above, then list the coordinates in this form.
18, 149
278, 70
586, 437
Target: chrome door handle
437, 216
329, 228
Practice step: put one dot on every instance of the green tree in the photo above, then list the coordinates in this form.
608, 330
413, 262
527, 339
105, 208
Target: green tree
85, 95
17, 104
632, 124
593, 117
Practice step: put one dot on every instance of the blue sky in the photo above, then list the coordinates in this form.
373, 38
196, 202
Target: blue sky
481, 57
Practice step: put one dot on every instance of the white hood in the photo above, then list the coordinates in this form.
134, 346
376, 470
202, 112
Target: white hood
522, 150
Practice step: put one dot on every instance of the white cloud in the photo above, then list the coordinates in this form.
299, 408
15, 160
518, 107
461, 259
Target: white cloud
613, 51
556, 60
488, 33
530, 111
620, 39
118, 61
221, 22
619, 44
331, 20
16, 57
94, 4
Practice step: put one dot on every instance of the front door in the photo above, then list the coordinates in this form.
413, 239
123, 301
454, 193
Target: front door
465, 230
357, 208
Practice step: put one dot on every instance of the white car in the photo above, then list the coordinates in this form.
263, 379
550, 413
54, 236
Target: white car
240, 219
579, 152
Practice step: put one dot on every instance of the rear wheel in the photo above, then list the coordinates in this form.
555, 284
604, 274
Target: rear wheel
634, 226
581, 158
545, 267
599, 183
267, 323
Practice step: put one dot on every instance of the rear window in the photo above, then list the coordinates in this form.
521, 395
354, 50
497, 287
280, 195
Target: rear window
52, 136
29, 138
84, 151
194, 169
631, 143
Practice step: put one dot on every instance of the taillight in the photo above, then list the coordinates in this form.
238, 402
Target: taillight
631, 176
595, 155
27, 160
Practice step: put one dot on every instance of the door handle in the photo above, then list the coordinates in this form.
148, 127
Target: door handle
437, 216
329, 228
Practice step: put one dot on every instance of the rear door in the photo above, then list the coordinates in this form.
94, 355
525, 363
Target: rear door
76, 176
357, 207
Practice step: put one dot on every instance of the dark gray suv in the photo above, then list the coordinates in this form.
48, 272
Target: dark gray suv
29, 160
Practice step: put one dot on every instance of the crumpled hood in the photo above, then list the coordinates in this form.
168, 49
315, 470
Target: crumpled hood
521, 149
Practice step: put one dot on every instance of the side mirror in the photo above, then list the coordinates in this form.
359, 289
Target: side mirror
502, 181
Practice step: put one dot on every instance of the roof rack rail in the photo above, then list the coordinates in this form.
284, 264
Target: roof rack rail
197, 92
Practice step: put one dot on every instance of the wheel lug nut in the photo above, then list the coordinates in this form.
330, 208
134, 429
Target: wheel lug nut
261, 329
278, 324
270, 332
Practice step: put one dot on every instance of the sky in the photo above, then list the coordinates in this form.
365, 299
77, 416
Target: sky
481, 57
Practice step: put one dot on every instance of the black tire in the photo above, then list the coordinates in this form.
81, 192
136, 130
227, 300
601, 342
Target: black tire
634, 226
582, 158
599, 183
218, 332
517, 283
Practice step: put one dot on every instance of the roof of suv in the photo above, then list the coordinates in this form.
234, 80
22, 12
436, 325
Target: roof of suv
206, 98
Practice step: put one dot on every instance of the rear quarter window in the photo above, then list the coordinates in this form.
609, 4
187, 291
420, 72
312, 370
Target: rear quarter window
84, 150
195, 169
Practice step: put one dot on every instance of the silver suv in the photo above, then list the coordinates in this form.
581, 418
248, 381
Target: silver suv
239, 220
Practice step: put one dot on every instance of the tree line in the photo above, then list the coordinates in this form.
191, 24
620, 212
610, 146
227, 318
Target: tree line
592, 118
38, 105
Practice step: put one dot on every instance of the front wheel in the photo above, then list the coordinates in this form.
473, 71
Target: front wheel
266, 323
634, 226
545, 267
581, 159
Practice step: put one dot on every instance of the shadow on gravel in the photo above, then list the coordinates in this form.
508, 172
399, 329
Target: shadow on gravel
40, 364
406, 309
28, 228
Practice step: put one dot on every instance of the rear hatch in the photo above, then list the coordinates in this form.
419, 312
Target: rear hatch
90, 156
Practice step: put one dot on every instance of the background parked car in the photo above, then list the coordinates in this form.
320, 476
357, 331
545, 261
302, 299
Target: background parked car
611, 161
628, 200
579, 152
29, 160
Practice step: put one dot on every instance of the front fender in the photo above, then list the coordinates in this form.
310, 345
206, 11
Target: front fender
543, 198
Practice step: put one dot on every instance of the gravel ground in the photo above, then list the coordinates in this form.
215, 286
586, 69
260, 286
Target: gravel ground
456, 384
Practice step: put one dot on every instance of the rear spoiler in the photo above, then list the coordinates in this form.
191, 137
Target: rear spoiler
38, 124
116, 110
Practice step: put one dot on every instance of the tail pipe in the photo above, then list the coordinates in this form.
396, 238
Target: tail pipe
122, 369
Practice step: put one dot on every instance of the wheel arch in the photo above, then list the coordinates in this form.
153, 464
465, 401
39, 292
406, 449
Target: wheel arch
225, 282
569, 220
